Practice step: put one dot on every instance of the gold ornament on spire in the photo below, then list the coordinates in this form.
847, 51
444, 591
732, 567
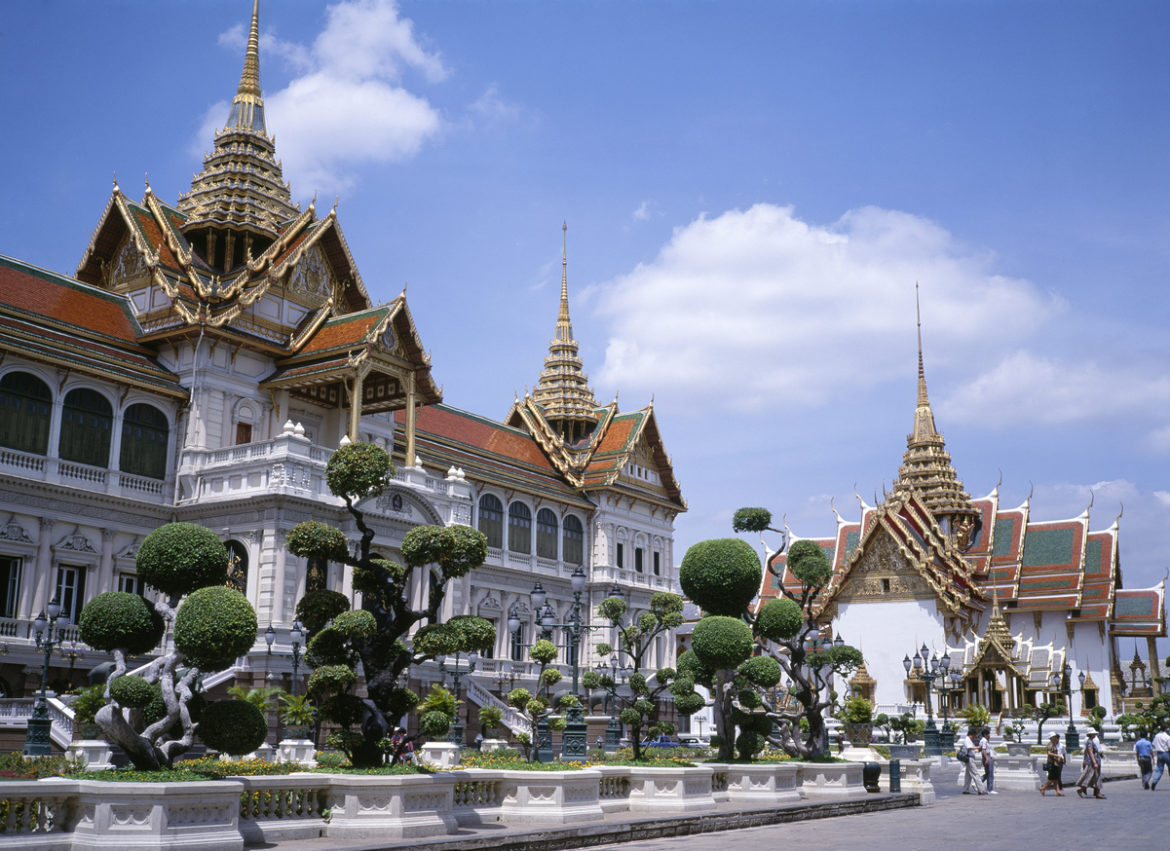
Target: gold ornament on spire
562, 390
241, 187
927, 469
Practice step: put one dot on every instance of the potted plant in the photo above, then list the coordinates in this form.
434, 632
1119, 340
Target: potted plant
298, 715
89, 700
489, 721
906, 728
857, 716
1014, 736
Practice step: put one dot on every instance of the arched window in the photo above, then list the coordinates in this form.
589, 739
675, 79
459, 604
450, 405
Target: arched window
144, 442
491, 520
572, 541
237, 574
546, 533
520, 528
86, 423
25, 409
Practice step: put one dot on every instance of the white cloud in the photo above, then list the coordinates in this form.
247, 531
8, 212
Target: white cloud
1049, 391
643, 212
492, 106
759, 307
347, 105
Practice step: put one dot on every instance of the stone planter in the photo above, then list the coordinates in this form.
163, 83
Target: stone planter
490, 745
158, 815
671, 790
550, 797
404, 806
301, 751
95, 753
858, 734
834, 780
1018, 748
439, 754
905, 751
763, 784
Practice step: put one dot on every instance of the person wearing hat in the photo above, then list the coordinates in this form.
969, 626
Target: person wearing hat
1053, 765
1090, 767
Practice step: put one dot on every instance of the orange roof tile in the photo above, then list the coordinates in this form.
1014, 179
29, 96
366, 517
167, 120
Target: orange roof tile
65, 300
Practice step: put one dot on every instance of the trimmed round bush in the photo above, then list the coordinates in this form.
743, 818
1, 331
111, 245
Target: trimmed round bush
317, 608
234, 727
314, 539
117, 619
780, 619
214, 626
721, 575
328, 647
331, 679
179, 557
455, 549
722, 642
751, 520
133, 692
749, 743
434, 724
763, 671
358, 470
343, 709
808, 563
355, 623
689, 704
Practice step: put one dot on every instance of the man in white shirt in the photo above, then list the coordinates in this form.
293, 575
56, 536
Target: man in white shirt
1161, 755
973, 768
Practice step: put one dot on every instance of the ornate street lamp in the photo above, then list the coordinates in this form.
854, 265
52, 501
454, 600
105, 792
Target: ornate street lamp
618, 676
1062, 682
928, 670
37, 741
573, 741
296, 637
457, 673
947, 686
72, 650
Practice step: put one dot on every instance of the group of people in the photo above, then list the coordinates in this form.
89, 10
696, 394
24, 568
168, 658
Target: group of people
1057, 756
1148, 753
975, 752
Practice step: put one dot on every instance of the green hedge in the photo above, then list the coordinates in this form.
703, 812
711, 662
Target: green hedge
721, 575
179, 557
214, 626
117, 620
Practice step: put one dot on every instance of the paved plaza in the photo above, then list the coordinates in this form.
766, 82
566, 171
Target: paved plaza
1129, 817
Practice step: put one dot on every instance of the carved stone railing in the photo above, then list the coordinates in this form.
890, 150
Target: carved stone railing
510, 716
15, 712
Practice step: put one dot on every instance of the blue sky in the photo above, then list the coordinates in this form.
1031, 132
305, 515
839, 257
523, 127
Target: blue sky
751, 190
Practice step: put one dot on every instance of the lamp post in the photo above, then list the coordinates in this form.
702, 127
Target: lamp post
71, 651
617, 675
928, 670
40, 726
1062, 682
947, 686
458, 672
296, 637
573, 741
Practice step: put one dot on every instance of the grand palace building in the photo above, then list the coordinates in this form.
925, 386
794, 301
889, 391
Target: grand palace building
203, 362
1023, 609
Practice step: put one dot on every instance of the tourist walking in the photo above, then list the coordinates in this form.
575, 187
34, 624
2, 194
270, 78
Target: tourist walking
1053, 765
973, 764
1144, 750
1161, 755
1090, 767
988, 761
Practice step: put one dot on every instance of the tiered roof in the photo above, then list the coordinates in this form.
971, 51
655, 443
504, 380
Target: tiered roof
59, 321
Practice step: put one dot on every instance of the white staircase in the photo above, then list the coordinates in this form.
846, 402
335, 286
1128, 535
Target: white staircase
510, 716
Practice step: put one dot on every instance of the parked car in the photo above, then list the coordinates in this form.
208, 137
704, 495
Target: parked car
693, 742
661, 742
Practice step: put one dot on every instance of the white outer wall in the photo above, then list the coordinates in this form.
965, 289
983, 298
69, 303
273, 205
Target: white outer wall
886, 632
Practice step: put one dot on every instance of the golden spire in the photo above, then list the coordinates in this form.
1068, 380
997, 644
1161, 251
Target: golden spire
247, 106
926, 466
562, 390
241, 188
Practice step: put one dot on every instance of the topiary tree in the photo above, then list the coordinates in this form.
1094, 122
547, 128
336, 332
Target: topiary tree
235, 727
723, 576
634, 639
379, 637
538, 706
152, 716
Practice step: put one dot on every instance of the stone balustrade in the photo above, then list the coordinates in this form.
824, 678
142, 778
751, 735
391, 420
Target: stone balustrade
70, 815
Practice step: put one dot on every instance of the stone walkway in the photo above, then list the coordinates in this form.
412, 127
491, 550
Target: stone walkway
1129, 818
